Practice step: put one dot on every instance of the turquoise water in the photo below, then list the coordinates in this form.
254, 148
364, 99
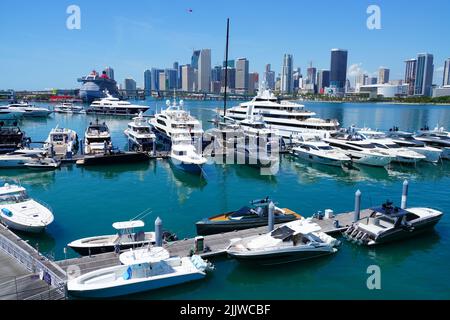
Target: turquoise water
86, 201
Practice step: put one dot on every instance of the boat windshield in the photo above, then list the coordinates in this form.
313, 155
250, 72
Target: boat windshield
13, 198
282, 233
325, 148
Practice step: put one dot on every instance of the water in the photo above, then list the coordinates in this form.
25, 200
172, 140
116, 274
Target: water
86, 201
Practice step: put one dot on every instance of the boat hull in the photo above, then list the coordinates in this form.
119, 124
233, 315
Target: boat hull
430, 155
187, 167
120, 158
20, 227
321, 160
85, 251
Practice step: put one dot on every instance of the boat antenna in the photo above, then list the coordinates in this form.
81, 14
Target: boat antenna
226, 70
143, 214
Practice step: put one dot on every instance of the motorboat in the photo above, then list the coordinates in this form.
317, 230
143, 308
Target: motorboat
8, 113
255, 215
139, 134
43, 164
293, 241
11, 136
317, 151
69, 108
20, 157
125, 238
438, 138
382, 142
113, 157
110, 105
145, 255
19, 212
389, 223
97, 138
407, 140
359, 149
30, 110
139, 277
62, 141
184, 156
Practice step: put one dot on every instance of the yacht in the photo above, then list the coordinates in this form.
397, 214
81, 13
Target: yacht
8, 113
70, 108
293, 241
287, 117
390, 223
255, 215
184, 155
30, 110
125, 238
358, 149
62, 141
114, 106
20, 157
43, 164
11, 137
318, 151
138, 277
407, 140
437, 138
97, 138
140, 135
382, 142
20, 212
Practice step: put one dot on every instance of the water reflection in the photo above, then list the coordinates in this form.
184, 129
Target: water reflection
29, 177
112, 172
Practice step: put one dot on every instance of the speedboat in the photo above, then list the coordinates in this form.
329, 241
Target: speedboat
407, 140
140, 135
62, 141
138, 277
11, 137
383, 143
184, 155
8, 113
293, 241
390, 223
18, 158
70, 108
97, 138
255, 215
114, 106
19, 212
125, 238
321, 152
30, 110
43, 164
358, 149
438, 138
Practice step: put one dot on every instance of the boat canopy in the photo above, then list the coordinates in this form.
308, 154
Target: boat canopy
128, 225
391, 211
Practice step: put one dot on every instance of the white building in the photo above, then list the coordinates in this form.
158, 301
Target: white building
441, 92
385, 90
204, 70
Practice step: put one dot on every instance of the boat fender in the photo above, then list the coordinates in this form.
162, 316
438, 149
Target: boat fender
127, 274
7, 212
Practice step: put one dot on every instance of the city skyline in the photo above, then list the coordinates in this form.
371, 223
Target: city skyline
60, 56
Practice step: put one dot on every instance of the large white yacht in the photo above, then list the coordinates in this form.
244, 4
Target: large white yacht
70, 108
7, 113
288, 117
318, 151
97, 138
30, 110
114, 106
139, 134
438, 138
20, 157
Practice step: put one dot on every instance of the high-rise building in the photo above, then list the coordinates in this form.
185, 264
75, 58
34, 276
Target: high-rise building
110, 73
424, 75
242, 75
311, 75
410, 75
171, 79
383, 75
130, 86
253, 80
176, 66
297, 79
372, 80
231, 78
287, 82
162, 81
155, 78
194, 59
147, 82
204, 70
323, 80
269, 77
187, 76
180, 76
216, 74
338, 69
446, 78
231, 63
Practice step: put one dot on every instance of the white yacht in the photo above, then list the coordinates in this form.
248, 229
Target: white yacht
407, 140
97, 138
7, 113
30, 110
114, 106
438, 138
318, 151
19, 212
382, 142
358, 149
62, 141
140, 135
20, 157
287, 117
184, 155
138, 277
293, 241
70, 108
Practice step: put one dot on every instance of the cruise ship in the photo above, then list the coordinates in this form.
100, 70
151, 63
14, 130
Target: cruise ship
94, 85
289, 118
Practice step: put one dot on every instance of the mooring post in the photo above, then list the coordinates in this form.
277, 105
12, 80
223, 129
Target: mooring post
158, 232
357, 206
271, 209
405, 194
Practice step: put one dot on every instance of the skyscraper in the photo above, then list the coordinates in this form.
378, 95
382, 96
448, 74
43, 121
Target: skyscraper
446, 79
287, 83
338, 69
269, 77
216, 74
155, 79
424, 75
383, 75
110, 73
194, 59
187, 76
323, 80
204, 70
147, 82
162, 81
130, 86
242, 75
253, 80
410, 75
231, 78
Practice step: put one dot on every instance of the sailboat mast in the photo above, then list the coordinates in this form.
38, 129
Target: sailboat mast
226, 70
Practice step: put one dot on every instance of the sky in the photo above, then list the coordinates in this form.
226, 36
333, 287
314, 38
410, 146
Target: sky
38, 51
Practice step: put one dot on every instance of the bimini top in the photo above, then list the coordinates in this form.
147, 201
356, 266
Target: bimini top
389, 210
7, 189
128, 225
295, 227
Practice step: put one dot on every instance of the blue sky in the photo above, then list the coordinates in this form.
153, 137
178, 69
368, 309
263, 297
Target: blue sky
37, 50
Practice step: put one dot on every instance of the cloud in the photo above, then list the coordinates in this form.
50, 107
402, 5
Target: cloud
355, 70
